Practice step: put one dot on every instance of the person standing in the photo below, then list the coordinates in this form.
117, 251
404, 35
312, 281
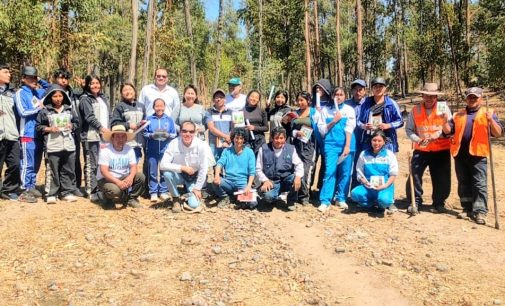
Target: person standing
28, 104
9, 138
256, 121
431, 147
279, 109
470, 147
191, 110
235, 99
160, 89
219, 123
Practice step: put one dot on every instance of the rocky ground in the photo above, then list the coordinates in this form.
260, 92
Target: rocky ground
79, 254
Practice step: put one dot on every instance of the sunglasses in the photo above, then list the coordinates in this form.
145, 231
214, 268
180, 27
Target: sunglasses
161, 76
187, 131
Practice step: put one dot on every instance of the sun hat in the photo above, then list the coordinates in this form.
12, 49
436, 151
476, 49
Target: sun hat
431, 89
118, 129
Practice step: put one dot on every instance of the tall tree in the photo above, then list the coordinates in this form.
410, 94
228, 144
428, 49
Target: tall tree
219, 42
359, 40
317, 53
339, 69
189, 29
133, 52
308, 80
147, 46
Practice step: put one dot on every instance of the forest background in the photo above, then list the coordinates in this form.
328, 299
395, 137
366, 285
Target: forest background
285, 43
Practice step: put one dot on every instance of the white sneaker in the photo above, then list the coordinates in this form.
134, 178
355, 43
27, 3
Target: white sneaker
323, 208
69, 198
343, 205
164, 196
51, 200
154, 198
284, 196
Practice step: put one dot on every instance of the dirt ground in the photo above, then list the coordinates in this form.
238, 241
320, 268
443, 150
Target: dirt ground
79, 254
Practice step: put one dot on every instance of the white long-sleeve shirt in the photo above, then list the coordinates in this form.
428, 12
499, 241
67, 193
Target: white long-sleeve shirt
150, 93
195, 156
259, 164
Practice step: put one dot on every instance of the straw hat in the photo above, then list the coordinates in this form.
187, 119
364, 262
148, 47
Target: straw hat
117, 129
431, 89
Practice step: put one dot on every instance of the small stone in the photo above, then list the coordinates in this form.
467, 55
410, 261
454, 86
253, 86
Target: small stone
52, 286
340, 250
312, 300
186, 276
78, 264
256, 257
89, 237
204, 282
309, 224
428, 255
216, 250
475, 227
145, 258
497, 302
135, 273
441, 267
387, 262
195, 301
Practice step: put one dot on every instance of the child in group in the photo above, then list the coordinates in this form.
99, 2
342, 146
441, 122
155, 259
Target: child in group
158, 134
58, 122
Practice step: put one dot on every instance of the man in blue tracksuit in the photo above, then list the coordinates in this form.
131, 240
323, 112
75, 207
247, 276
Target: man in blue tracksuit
28, 100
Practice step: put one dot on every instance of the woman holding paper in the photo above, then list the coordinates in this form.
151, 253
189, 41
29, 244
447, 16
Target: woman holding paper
302, 137
280, 109
338, 150
256, 121
376, 170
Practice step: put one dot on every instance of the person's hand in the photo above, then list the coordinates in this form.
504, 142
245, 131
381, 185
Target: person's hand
489, 115
381, 187
318, 108
384, 126
346, 151
368, 126
247, 190
104, 130
122, 185
197, 193
337, 117
217, 180
297, 183
52, 129
188, 170
445, 116
128, 181
285, 120
250, 127
299, 134
424, 142
227, 138
267, 186
133, 126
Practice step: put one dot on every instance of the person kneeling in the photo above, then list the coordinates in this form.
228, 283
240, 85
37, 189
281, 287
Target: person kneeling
238, 163
279, 169
185, 162
376, 169
118, 178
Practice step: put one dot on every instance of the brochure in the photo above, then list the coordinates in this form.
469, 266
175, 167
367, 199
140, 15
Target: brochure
307, 132
441, 108
376, 180
238, 118
251, 197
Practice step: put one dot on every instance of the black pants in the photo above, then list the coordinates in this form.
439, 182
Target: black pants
471, 172
112, 191
78, 168
90, 150
62, 178
9, 153
439, 164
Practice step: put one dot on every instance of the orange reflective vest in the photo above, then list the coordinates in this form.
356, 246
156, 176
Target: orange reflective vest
479, 144
429, 125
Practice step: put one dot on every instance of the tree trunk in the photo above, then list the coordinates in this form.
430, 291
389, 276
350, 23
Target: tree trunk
147, 48
135, 34
189, 29
260, 60
340, 68
455, 68
317, 53
308, 71
64, 34
359, 40
219, 42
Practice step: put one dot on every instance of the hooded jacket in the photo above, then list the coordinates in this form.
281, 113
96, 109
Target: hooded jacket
89, 109
26, 100
8, 129
163, 124
62, 140
129, 113
326, 86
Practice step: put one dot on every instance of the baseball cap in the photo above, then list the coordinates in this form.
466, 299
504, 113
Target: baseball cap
358, 82
29, 71
234, 82
218, 90
378, 81
475, 91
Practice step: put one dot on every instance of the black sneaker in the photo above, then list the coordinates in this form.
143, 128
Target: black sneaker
439, 209
35, 192
134, 203
78, 193
108, 204
9, 196
27, 197
480, 218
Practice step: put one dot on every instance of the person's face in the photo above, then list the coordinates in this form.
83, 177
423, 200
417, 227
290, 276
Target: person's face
5, 76
218, 100
234, 89
378, 90
339, 96
189, 96
473, 101
377, 143
302, 103
62, 81
187, 132
119, 140
279, 141
159, 108
280, 100
95, 87
429, 100
30, 81
238, 141
128, 93
57, 99
161, 77
254, 98
358, 92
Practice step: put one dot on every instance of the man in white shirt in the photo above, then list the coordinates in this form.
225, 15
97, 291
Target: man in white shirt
279, 169
235, 100
159, 89
185, 162
117, 177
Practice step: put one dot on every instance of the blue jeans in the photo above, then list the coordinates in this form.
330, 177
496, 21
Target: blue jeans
173, 179
367, 197
285, 185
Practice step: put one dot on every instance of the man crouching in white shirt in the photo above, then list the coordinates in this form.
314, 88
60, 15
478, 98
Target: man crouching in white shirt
185, 162
118, 178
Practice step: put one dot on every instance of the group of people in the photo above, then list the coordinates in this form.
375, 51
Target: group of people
223, 151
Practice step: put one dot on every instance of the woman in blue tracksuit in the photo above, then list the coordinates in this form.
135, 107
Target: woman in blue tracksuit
338, 149
376, 170
160, 131
308, 120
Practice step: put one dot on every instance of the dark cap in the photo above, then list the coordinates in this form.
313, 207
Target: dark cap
29, 71
379, 81
474, 91
358, 82
216, 91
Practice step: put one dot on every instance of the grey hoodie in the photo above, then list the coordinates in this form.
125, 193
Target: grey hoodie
8, 127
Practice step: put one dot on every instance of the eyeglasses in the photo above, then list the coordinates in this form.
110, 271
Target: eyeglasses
161, 76
187, 131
